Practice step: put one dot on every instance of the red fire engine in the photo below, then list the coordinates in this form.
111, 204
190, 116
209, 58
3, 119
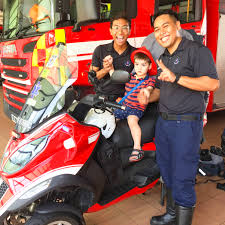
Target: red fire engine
30, 26
215, 42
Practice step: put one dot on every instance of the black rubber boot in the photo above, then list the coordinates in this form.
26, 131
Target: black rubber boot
169, 218
184, 215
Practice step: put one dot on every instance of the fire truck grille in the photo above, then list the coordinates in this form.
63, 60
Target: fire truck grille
14, 62
15, 74
14, 110
17, 94
9, 95
16, 102
3, 188
12, 82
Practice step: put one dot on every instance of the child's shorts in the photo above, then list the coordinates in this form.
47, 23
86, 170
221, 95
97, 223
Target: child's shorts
123, 114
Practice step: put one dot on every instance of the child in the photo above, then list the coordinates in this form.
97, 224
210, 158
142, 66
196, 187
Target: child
142, 60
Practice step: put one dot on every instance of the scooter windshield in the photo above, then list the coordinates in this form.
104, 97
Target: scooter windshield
47, 96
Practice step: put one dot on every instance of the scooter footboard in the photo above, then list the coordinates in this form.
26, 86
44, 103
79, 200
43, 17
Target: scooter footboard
143, 172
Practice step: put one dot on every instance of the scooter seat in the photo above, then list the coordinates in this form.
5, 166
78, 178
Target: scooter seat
122, 136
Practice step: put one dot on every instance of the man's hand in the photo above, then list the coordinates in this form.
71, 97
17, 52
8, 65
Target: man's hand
143, 96
202, 83
166, 74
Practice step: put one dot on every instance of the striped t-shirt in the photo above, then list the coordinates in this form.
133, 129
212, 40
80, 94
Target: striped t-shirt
131, 100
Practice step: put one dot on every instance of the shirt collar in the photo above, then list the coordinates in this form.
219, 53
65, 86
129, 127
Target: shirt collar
180, 47
146, 77
110, 48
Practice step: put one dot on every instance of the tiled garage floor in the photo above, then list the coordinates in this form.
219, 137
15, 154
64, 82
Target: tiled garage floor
139, 209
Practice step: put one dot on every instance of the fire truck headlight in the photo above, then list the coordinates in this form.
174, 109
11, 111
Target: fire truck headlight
24, 155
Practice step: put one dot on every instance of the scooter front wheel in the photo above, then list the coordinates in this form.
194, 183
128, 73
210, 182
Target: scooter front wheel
53, 219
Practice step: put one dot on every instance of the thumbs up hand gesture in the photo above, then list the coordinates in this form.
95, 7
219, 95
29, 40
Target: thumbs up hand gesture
166, 74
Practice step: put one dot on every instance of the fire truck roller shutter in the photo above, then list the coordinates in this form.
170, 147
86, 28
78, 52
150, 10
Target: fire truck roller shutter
127, 6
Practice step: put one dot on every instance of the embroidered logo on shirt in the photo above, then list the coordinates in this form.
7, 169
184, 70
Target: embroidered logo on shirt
128, 63
176, 61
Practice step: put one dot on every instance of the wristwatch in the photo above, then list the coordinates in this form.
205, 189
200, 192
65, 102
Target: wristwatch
177, 78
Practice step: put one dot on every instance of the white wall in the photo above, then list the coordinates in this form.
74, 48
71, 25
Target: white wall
0, 12
1, 18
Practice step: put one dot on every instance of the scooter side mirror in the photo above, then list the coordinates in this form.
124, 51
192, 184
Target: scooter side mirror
120, 77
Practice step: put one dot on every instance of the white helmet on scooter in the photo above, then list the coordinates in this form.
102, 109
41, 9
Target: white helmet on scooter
102, 119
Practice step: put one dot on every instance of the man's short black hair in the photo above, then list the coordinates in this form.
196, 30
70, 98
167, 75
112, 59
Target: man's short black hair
169, 12
120, 16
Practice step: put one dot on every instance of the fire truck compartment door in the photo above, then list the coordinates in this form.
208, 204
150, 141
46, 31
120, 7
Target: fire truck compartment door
219, 97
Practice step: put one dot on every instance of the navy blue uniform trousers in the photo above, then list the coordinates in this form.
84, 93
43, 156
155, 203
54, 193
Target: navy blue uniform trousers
177, 154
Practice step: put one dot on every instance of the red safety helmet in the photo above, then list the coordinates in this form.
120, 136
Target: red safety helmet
144, 50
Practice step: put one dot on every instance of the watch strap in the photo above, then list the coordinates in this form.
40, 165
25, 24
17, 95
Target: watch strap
177, 78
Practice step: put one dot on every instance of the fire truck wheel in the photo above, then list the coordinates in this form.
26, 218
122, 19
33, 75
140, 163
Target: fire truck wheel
53, 219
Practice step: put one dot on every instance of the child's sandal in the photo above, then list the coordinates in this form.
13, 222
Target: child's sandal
136, 155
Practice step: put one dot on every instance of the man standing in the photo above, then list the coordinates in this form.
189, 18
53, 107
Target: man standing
115, 55
186, 71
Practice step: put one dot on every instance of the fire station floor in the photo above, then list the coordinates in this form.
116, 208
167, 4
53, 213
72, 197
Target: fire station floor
138, 210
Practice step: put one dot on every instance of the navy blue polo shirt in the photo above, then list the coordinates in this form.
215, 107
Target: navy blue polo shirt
120, 62
191, 59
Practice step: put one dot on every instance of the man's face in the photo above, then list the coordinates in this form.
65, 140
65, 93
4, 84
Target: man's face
166, 31
120, 31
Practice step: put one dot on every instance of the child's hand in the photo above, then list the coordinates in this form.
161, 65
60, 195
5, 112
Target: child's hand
147, 92
108, 59
143, 96
108, 63
118, 99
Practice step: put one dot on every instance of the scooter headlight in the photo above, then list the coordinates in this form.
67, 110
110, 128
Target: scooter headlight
24, 155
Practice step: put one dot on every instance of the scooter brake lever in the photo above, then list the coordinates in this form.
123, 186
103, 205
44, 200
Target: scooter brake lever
102, 98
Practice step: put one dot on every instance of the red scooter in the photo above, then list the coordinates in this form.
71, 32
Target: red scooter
66, 157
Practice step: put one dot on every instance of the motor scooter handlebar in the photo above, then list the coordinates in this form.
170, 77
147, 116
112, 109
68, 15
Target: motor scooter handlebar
109, 104
115, 105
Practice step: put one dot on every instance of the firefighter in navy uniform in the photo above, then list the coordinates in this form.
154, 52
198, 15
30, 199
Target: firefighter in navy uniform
113, 56
186, 71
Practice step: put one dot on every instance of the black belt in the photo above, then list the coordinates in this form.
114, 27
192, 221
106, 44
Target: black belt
167, 116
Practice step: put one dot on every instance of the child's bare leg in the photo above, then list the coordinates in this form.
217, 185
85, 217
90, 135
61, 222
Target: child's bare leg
136, 135
135, 130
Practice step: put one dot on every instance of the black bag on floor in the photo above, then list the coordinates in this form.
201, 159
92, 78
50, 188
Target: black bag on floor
211, 164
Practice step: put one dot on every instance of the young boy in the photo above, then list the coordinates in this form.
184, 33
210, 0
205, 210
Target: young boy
143, 62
